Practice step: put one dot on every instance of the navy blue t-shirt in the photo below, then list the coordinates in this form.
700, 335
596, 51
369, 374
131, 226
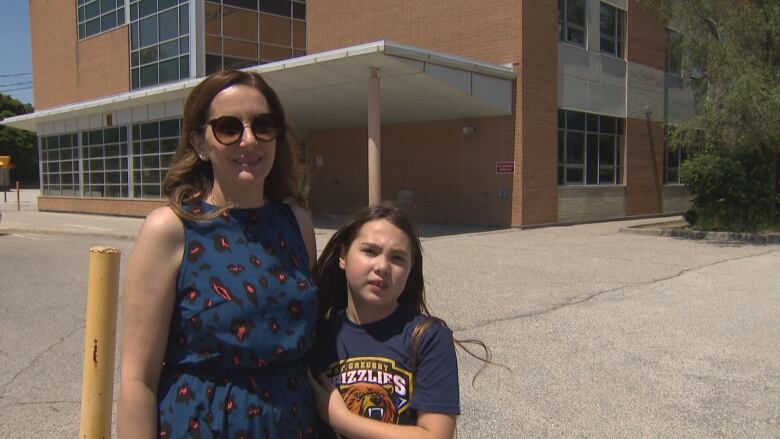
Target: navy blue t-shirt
371, 366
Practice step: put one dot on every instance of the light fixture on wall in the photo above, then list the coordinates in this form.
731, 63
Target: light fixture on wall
468, 130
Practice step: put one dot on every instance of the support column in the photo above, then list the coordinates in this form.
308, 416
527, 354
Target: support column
374, 141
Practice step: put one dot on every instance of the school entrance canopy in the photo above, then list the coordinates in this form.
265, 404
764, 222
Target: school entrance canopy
366, 85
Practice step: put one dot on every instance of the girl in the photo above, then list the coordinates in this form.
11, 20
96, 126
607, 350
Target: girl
218, 307
393, 364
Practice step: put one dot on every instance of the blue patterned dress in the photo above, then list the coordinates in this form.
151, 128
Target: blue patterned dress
243, 319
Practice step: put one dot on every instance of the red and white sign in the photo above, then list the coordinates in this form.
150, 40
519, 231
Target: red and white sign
505, 167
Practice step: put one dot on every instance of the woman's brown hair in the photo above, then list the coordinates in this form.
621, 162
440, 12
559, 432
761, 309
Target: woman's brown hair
190, 178
332, 280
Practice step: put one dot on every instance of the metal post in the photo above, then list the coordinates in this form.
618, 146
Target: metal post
18, 202
374, 141
97, 386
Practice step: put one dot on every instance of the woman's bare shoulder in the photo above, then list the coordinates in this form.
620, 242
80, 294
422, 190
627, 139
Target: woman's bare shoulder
163, 223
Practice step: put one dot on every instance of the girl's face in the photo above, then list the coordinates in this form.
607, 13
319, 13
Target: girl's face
247, 161
377, 265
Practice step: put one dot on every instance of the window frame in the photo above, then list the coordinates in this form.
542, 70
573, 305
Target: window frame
673, 41
565, 23
617, 37
593, 133
84, 23
152, 56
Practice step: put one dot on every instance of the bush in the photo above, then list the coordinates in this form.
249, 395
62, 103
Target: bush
731, 190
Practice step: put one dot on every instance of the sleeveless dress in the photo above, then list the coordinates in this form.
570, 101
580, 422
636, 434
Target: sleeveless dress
243, 319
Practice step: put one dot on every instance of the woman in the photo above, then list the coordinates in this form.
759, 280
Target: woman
218, 307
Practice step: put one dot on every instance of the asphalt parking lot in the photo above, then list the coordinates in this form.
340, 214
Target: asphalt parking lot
605, 334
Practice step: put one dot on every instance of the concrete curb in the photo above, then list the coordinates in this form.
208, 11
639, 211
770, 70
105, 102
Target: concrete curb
677, 232
120, 236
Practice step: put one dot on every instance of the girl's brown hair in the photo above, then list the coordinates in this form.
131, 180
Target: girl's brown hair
332, 280
191, 178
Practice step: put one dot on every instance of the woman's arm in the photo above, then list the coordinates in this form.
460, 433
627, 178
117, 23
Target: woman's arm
332, 409
307, 232
147, 305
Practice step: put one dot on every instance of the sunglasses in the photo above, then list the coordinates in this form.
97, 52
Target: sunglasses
229, 129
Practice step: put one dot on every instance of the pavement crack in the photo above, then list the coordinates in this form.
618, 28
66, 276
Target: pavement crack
36, 358
580, 300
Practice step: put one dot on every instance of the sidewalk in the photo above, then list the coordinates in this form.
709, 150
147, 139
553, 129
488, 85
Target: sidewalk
28, 220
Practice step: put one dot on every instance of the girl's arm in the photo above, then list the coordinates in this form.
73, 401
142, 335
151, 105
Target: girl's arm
147, 305
332, 409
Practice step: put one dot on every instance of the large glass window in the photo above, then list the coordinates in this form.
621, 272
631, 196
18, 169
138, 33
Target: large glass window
104, 154
153, 146
96, 16
673, 158
673, 52
590, 149
611, 25
571, 22
159, 42
242, 33
60, 165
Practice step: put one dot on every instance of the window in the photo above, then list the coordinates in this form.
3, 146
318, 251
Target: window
612, 23
590, 149
96, 16
159, 42
673, 158
673, 52
104, 157
571, 21
60, 165
241, 33
153, 146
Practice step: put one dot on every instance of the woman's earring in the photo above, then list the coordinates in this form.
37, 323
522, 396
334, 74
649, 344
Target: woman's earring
202, 157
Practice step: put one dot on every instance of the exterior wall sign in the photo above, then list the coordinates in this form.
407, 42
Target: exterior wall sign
505, 167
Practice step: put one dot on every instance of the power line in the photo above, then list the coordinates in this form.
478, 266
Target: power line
15, 83
16, 89
15, 74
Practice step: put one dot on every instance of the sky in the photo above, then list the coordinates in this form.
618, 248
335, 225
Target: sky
15, 51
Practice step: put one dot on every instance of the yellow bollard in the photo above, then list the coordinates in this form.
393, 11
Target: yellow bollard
97, 385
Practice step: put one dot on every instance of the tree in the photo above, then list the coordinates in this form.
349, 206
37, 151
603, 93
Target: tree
731, 51
19, 144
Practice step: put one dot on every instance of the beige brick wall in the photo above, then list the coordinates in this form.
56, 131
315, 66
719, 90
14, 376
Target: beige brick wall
102, 206
488, 30
677, 199
591, 203
66, 71
452, 177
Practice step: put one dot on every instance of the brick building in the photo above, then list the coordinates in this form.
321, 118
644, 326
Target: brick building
498, 112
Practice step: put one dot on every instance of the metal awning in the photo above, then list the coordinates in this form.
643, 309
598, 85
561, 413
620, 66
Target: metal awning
330, 89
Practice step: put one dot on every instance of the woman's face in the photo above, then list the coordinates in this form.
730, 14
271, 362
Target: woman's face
247, 161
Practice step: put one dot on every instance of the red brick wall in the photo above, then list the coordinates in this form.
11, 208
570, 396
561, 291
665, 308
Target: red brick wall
644, 167
66, 71
646, 39
104, 206
488, 30
452, 176
535, 198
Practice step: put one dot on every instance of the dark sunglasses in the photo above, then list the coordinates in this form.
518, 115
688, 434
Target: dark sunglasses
229, 129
